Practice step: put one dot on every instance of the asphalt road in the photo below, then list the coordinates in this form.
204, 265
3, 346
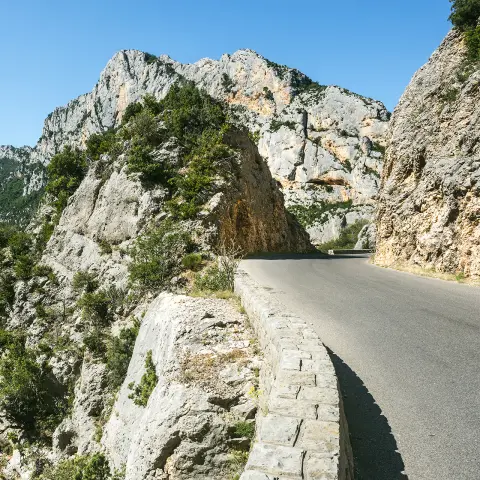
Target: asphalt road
407, 352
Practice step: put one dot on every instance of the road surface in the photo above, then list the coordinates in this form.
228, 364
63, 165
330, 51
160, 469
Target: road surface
407, 351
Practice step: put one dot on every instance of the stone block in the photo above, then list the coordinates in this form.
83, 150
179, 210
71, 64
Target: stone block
320, 467
279, 430
277, 460
320, 436
292, 408
288, 377
319, 395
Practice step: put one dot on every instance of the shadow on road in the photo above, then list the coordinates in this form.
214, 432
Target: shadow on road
374, 447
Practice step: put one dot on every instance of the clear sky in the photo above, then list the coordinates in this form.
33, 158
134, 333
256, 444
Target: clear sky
54, 50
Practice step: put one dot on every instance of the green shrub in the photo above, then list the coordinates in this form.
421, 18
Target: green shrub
29, 394
7, 292
227, 82
268, 94
119, 353
23, 267
65, 172
472, 39
465, 14
131, 110
213, 279
84, 281
157, 256
6, 232
101, 143
105, 247
195, 186
40, 270
95, 342
192, 261
20, 244
347, 239
92, 467
244, 429
141, 392
96, 308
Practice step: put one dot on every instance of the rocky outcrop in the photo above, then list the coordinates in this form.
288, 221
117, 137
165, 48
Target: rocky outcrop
429, 206
323, 144
206, 366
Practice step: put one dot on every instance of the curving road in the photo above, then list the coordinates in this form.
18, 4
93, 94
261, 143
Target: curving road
407, 351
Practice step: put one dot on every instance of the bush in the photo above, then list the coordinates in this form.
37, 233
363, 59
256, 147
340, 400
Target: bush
23, 267
95, 342
29, 394
7, 293
84, 281
472, 39
213, 279
192, 261
141, 392
244, 429
40, 270
20, 244
65, 172
157, 256
96, 308
93, 467
101, 143
195, 186
119, 353
465, 14
6, 232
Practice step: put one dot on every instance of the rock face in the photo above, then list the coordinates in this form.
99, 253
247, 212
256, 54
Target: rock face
189, 421
323, 144
429, 208
205, 366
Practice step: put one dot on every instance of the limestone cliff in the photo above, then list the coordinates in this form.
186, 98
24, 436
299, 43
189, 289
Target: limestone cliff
74, 306
429, 207
323, 144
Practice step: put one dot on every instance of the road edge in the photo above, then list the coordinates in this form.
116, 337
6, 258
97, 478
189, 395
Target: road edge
301, 432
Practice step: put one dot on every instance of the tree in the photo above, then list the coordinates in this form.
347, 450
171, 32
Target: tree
465, 14
65, 172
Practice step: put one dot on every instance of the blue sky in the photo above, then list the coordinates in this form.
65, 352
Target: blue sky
52, 51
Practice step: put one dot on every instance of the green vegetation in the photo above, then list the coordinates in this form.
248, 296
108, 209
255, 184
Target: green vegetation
84, 281
308, 215
65, 172
268, 94
92, 467
347, 239
227, 83
15, 207
119, 353
29, 393
192, 261
244, 429
141, 392
157, 256
464, 16
275, 125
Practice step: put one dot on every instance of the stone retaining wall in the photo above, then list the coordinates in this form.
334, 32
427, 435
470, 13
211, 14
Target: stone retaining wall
301, 430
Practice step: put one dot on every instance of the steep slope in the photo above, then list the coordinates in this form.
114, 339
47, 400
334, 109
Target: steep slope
429, 207
323, 144
160, 208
